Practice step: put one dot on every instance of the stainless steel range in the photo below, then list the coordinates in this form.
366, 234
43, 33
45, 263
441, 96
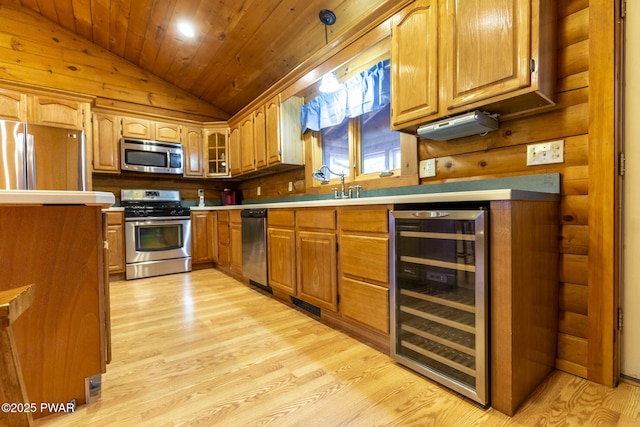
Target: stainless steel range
157, 233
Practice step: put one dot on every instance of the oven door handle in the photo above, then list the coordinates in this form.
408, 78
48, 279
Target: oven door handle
157, 219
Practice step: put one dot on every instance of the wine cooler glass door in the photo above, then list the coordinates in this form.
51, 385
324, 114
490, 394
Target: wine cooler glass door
439, 304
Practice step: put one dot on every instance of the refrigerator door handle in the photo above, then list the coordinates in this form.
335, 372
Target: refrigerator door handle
31, 163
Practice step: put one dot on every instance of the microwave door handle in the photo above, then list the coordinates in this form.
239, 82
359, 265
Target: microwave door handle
31, 163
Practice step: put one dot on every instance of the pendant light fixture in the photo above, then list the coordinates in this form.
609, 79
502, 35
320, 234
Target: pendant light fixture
329, 81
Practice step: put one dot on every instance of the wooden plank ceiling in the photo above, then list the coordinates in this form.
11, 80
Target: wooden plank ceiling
241, 47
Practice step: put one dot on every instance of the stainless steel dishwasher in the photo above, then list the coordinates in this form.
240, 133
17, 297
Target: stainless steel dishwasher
254, 247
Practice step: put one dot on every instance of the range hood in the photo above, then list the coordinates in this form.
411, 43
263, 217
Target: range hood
473, 123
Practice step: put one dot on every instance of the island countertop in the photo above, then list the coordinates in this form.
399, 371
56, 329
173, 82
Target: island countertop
54, 197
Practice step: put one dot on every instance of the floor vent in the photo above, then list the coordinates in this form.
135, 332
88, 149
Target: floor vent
306, 306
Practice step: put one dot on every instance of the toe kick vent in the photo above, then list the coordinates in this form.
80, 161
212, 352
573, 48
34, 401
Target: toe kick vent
306, 306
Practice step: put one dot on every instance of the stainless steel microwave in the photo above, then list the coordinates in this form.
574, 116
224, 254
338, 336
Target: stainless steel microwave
151, 156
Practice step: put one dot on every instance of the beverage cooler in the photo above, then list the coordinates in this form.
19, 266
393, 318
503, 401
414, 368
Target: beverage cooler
439, 296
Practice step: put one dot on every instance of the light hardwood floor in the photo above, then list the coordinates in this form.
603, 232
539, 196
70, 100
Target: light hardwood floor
203, 349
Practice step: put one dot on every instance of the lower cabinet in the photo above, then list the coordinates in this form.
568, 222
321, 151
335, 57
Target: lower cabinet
224, 241
316, 257
235, 241
281, 250
364, 265
115, 239
204, 226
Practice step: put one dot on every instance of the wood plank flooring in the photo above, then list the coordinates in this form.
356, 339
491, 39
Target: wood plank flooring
202, 349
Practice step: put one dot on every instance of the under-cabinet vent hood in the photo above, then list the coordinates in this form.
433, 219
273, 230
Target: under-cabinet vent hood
473, 123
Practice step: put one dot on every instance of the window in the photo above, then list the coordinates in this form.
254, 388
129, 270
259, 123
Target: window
379, 146
335, 147
365, 142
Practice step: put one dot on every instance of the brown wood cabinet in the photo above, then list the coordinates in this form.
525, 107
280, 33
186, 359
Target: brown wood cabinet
204, 226
134, 127
235, 160
193, 148
364, 265
115, 240
235, 241
61, 338
106, 143
247, 147
446, 60
259, 138
224, 240
281, 250
523, 298
283, 131
57, 111
168, 132
13, 105
216, 153
414, 63
316, 257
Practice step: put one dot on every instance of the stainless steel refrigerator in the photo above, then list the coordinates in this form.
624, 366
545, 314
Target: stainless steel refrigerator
35, 157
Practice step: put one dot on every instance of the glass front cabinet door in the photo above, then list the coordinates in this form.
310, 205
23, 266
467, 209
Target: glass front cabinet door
217, 152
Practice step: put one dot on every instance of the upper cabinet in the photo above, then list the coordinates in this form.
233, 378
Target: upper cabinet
259, 138
216, 151
134, 127
247, 148
414, 63
106, 143
193, 152
56, 111
269, 139
235, 162
496, 55
168, 132
13, 105
137, 128
284, 132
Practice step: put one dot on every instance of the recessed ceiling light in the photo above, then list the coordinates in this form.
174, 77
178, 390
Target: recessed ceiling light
187, 28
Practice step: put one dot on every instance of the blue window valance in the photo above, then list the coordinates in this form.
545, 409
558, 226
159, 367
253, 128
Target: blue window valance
368, 91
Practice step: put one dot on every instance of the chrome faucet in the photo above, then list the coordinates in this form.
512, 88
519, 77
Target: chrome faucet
322, 175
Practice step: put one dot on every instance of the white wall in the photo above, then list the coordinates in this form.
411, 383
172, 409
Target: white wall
630, 339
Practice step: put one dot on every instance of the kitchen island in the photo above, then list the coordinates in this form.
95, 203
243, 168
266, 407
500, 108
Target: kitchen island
54, 239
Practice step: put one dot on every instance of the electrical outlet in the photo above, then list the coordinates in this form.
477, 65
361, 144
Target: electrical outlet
259, 191
545, 153
290, 186
427, 168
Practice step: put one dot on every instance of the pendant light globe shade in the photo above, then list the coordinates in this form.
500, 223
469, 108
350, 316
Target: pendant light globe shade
329, 83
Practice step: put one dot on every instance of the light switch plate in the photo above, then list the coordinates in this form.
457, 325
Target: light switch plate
545, 153
427, 168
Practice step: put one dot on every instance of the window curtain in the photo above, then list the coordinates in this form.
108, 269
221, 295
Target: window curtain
368, 91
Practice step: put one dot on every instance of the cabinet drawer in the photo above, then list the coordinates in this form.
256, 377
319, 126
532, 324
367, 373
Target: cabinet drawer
115, 218
316, 218
281, 217
365, 303
370, 219
365, 257
234, 217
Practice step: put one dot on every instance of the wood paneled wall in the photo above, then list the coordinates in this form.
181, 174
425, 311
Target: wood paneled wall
503, 153
35, 51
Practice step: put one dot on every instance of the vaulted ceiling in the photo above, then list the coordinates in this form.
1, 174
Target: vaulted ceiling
240, 49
